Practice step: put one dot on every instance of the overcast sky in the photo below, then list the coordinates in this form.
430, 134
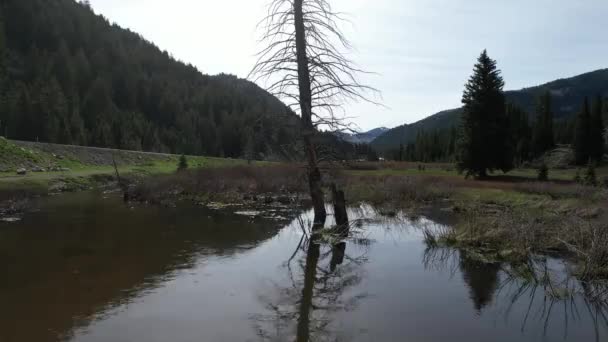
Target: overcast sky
422, 50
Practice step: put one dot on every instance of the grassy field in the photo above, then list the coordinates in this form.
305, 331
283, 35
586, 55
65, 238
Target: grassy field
448, 170
82, 166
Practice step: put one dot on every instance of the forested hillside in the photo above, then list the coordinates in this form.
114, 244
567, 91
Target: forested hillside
567, 97
68, 76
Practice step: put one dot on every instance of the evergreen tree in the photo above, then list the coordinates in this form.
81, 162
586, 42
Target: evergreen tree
72, 77
520, 133
3, 91
183, 163
596, 131
564, 131
543, 139
484, 142
590, 177
582, 142
543, 173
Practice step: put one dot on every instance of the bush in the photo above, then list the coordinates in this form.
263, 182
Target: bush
183, 163
577, 176
543, 173
590, 177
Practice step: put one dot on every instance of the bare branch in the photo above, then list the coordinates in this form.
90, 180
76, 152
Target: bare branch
333, 76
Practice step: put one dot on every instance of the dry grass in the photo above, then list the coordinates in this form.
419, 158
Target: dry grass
224, 183
562, 191
515, 235
396, 190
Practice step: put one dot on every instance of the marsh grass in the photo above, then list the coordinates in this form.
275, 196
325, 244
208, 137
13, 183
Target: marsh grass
396, 190
515, 236
223, 183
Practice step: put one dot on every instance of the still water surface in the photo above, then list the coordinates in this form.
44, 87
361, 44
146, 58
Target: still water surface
86, 268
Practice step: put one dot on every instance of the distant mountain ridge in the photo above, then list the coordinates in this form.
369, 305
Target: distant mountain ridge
568, 95
363, 137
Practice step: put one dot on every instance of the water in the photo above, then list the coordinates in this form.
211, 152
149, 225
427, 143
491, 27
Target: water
87, 268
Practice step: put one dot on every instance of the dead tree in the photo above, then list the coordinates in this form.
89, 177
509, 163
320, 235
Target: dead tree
302, 63
123, 185
340, 213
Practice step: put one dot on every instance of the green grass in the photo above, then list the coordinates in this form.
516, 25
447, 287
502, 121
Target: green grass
14, 156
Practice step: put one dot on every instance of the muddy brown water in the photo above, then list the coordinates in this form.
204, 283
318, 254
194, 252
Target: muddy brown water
87, 268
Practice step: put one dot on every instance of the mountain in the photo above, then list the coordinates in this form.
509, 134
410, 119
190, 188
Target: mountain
67, 75
568, 95
363, 137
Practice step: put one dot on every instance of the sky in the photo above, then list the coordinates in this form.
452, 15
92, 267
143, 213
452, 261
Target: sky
421, 51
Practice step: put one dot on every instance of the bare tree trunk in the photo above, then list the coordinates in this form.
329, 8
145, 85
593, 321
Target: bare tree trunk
123, 186
340, 214
314, 174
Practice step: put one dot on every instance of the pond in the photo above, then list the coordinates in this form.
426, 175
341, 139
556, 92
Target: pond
87, 268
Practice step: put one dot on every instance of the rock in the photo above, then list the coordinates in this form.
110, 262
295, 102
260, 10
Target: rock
64, 169
58, 187
21, 172
38, 169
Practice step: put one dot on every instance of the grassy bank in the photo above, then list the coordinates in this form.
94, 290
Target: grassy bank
58, 168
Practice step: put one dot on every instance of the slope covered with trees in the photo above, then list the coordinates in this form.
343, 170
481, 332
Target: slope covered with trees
567, 95
69, 76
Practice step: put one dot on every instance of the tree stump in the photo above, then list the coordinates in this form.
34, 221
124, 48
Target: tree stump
340, 210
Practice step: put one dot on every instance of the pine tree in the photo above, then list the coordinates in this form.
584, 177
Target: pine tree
543, 139
183, 163
4, 114
590, 177
520, 133
596, 131
543, 173
581, 144
484, 142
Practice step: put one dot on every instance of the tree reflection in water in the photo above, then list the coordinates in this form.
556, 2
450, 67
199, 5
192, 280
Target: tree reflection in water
323, 277
542, 286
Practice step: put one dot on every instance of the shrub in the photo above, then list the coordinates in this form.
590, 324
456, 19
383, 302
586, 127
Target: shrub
183, 163
543, 173
577, 176
590, 177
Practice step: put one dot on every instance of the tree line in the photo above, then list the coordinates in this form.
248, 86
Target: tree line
69, 76
495, 135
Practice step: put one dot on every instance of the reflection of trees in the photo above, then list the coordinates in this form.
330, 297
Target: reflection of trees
321, 279
97, 255
481, 278
544, 294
